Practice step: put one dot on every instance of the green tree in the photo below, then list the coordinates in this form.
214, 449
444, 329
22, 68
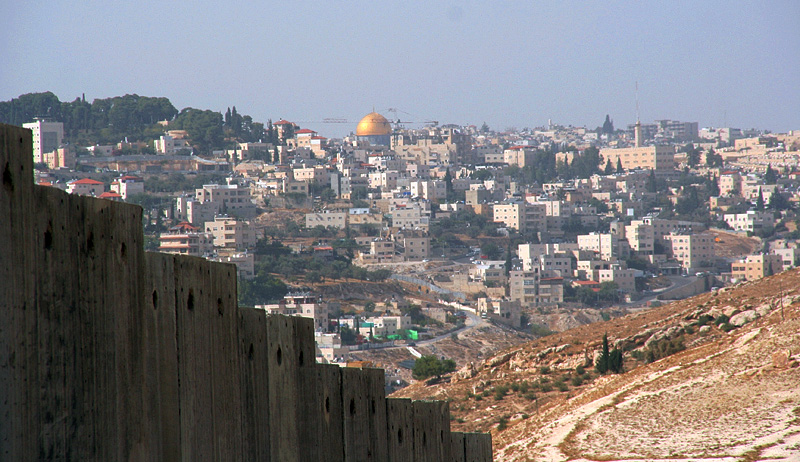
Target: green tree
609, 168
652, 184
608, 126
430, 366
770, 177
603, 361
491, 250
760, 200
619, 165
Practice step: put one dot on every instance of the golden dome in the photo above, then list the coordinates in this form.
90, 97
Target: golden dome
373, 124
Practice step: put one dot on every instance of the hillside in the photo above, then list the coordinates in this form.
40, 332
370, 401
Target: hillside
726, 396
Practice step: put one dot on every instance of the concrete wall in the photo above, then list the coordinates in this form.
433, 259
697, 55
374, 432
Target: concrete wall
109, 353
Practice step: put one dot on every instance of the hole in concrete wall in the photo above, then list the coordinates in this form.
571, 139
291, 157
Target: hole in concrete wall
8, 182
441, 435
279, 356
48, 237
300, 359
373, 405
424, 439
400, 435
250, 352
190, 300
123, 251
155, 300
90, 242
219, 306
327, 404
352, 406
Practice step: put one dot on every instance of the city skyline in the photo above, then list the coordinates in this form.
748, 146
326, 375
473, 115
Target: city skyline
510, 65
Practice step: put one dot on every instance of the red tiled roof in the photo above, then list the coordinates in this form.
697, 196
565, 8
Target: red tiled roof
282, 122
587, 283
303, 131
86, 181
109, 194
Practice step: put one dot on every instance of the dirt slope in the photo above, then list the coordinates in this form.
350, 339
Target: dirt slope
728, 396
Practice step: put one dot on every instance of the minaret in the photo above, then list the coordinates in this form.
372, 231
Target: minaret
637, 134
637, 129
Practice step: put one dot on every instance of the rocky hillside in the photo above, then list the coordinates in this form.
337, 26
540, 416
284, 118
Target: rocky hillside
711, 378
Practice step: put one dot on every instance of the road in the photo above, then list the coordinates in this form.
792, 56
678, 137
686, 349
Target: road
676, 282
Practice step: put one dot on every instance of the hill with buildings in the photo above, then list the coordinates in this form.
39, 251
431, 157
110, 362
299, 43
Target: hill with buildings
710, 378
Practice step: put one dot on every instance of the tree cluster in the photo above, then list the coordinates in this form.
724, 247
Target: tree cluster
609, 361
431, 366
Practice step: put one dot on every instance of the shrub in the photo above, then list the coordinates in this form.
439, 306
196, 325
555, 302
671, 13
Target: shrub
530, 396
580, 370
721, 319
515, 387
664, 348
545, 387
502, 424
577, 381
500, 392
562, 386
727, 327
523, 387
544, 370
703, 320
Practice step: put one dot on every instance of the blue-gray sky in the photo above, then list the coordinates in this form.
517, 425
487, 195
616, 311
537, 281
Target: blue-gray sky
510, 64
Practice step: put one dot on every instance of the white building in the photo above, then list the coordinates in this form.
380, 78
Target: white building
47, 137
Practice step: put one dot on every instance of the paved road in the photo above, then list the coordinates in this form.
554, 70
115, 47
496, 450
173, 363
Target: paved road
473, 321
676, 282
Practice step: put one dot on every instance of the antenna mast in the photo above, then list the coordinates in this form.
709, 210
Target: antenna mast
637, 101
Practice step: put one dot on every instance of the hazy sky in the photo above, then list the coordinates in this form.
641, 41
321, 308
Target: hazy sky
510, 64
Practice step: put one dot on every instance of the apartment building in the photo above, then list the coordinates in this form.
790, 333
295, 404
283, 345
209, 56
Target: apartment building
47, 137
641, 238
752, 220
658, 158
327, 218
608, 246
511, 215
524, 287
231, 233
127, 186
185, 239
506, 311
416, 248
301, 304
229, 199
411, 215
693, 251
245, 264
757, 266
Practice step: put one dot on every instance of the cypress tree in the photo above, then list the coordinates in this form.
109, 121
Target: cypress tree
619, 165
603, 361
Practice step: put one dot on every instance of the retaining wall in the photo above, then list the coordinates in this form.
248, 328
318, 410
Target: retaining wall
108, 353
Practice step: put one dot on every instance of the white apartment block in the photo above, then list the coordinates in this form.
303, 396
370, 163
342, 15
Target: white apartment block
608, 246
47, 137
245, 264
303, 305
327, 218
751, 221
641, 238
127, 186
166, 144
